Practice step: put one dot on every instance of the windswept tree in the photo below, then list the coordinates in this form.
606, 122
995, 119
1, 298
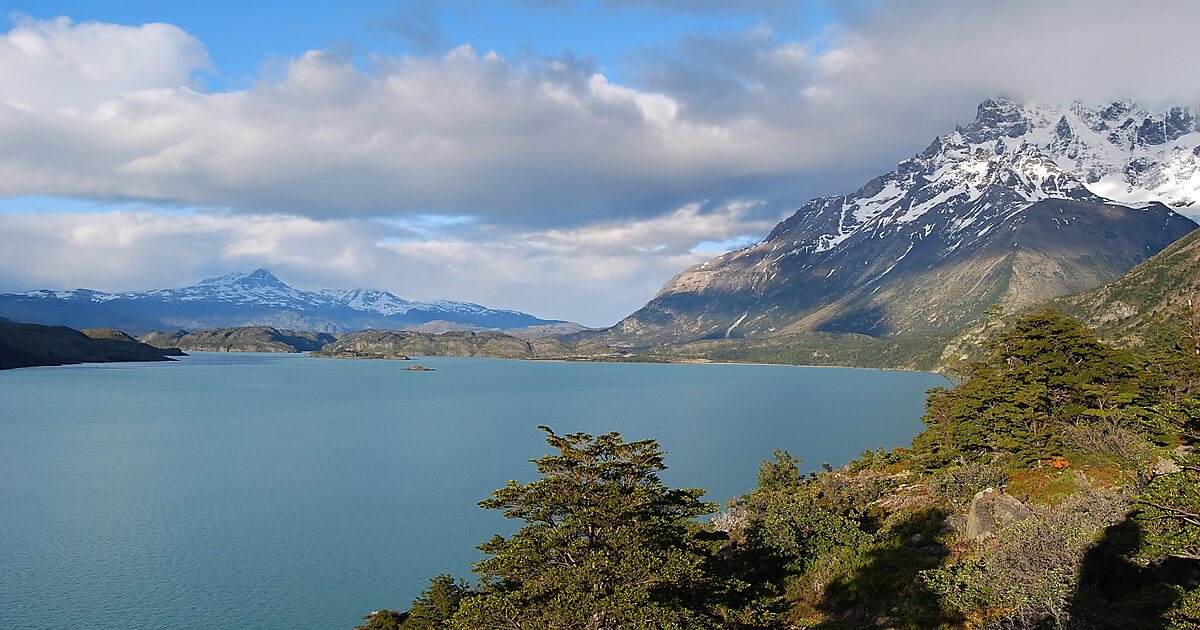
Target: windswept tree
604, 545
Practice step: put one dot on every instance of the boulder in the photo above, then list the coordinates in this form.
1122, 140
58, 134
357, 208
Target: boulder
992, 510
1166, 467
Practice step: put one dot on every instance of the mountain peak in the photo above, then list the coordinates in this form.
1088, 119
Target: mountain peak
258, 277
997, 118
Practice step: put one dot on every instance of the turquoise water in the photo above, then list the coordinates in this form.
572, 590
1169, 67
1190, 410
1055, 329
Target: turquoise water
267, 491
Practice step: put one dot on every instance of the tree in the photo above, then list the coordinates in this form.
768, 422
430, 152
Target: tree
434, 607
382, 620
431, 610
1045, 373
604, 545
782, 472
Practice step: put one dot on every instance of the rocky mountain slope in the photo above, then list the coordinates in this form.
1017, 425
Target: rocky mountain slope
240, 339
29, 345
249, 299
1166, 285
1024, 204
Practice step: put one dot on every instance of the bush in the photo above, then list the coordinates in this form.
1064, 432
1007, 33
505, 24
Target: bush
1112, 441
957, 485
1030, 574
1170, 511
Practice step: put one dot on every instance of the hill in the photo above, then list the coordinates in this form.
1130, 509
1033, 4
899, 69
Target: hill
393, 344
1125, 309
240, 339
29, 345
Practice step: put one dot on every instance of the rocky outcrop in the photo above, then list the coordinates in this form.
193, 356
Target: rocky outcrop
992, 510
393, 344
240, 339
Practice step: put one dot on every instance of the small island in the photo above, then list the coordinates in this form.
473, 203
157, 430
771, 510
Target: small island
419, 368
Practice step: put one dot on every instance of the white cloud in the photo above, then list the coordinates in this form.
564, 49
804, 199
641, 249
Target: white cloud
51, 64
105, 111
463, 133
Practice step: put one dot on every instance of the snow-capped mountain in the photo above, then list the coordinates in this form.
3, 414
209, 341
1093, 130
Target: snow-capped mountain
255, 298
387, 304
1125, 152
1023, 204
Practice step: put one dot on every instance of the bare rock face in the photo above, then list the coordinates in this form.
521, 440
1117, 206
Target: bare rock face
992, 510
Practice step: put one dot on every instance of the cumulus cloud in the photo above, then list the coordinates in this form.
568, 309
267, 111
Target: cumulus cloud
53, 64
594, 275
103, 111
464, 132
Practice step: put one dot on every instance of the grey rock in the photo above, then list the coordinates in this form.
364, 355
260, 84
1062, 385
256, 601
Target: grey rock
954, 523
991, 510
1151, 132
1166, 467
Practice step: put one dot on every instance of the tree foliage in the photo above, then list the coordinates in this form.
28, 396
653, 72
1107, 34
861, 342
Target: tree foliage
604, 545
382, 620
1044, 374
1171, 511
431, 610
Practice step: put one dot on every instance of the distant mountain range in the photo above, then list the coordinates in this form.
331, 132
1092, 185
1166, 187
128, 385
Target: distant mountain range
1024, 204
257, 298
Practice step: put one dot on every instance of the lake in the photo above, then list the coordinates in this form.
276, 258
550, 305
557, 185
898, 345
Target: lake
264, 491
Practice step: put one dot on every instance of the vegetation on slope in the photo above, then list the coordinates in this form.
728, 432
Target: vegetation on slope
1125, 310
390, 344
240, 339
1056, 486
815, 348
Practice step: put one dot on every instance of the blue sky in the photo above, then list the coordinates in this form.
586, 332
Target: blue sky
243, 37
560, 157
